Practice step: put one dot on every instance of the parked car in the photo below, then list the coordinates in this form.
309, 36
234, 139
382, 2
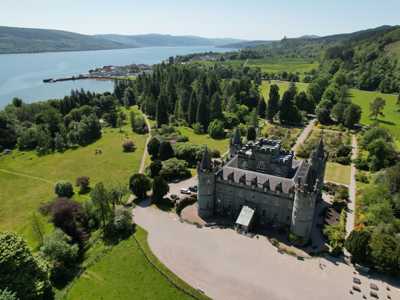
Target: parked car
193, 189
185, 191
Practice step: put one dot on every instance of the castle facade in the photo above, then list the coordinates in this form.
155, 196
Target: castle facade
262, 184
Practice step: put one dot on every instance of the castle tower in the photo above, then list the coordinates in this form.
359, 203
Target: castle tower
308, 190
235, 143
206, 186
303, 211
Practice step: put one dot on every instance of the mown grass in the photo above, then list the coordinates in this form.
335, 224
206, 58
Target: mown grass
21, 195
204, 139
391, 119
337, 173
283, 86
277, 65
125, 273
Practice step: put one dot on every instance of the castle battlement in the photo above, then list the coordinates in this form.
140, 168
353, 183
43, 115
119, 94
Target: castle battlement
266, 178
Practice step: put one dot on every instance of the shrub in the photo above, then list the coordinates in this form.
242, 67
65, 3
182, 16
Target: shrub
138, 123
128, 146
69, 216
198, 128
192, 153
83, 183
64, 189
20, 271
61, 253
155, 168
165, 151
139, 185
160, 189
216, 129
362, 177
123, 221
153, 147
175, 169
6, 294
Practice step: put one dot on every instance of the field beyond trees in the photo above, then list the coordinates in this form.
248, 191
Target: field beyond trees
27, 180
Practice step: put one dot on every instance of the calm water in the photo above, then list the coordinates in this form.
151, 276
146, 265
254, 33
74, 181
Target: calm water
21, 75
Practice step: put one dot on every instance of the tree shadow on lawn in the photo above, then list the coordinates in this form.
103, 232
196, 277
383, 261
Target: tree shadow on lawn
385, 122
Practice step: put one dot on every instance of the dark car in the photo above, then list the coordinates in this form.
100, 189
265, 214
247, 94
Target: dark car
193, 189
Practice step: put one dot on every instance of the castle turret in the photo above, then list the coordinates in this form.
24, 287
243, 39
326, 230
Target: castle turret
307, 191
303, 210
206, 186
235, 143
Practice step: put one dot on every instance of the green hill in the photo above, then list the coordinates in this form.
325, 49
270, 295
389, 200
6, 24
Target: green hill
25, 40
166, 40
28, 40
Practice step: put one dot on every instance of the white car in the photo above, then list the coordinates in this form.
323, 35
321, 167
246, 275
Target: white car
185, 191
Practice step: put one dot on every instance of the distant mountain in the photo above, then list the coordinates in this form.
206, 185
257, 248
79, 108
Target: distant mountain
27, 40
245, 44
165, 40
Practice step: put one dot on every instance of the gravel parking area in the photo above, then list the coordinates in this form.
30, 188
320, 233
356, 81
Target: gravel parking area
227, 265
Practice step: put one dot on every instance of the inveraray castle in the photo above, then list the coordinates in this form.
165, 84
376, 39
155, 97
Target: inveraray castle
261, 185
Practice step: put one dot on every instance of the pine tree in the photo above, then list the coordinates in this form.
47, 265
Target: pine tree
261, 107
216, 107
162, 110
192, 110
273, 102
203, 113
289, 113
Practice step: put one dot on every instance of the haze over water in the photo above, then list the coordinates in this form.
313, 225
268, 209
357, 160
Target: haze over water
21, 75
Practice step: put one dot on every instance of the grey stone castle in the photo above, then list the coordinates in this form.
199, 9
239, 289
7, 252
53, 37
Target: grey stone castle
262, 184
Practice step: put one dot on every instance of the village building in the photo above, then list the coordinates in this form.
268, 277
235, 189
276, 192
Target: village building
262, 184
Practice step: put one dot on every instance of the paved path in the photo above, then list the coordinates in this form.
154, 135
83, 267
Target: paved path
144, 157
227, 265
26, 175
352, 188
304, 135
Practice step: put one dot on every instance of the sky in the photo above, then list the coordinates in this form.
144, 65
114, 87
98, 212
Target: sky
244, 19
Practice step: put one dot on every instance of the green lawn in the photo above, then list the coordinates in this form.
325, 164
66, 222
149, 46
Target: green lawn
277, 65
204, 139
283, 86
22, 195
391, 120
124, 273
337, 173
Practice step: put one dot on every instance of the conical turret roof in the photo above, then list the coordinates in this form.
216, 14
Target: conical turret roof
236, 140
205, 163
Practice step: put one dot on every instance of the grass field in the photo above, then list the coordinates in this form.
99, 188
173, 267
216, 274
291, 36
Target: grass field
125, 273
391, 120
337, 173
277, 65
204, 139
27, 180
283, 86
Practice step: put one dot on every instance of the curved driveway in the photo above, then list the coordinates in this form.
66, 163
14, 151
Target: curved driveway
226, 265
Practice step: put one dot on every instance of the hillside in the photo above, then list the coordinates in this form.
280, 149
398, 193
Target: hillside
368, 59
166, 40
29, 40
26, 40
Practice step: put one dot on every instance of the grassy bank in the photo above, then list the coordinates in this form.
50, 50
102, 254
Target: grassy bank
125, 272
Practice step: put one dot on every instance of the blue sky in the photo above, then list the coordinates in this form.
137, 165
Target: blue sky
247, 19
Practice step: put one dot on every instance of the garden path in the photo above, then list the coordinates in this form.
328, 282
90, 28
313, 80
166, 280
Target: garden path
304, 135
352, 188
143, 161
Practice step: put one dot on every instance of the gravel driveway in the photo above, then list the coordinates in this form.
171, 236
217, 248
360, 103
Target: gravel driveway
226, 265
